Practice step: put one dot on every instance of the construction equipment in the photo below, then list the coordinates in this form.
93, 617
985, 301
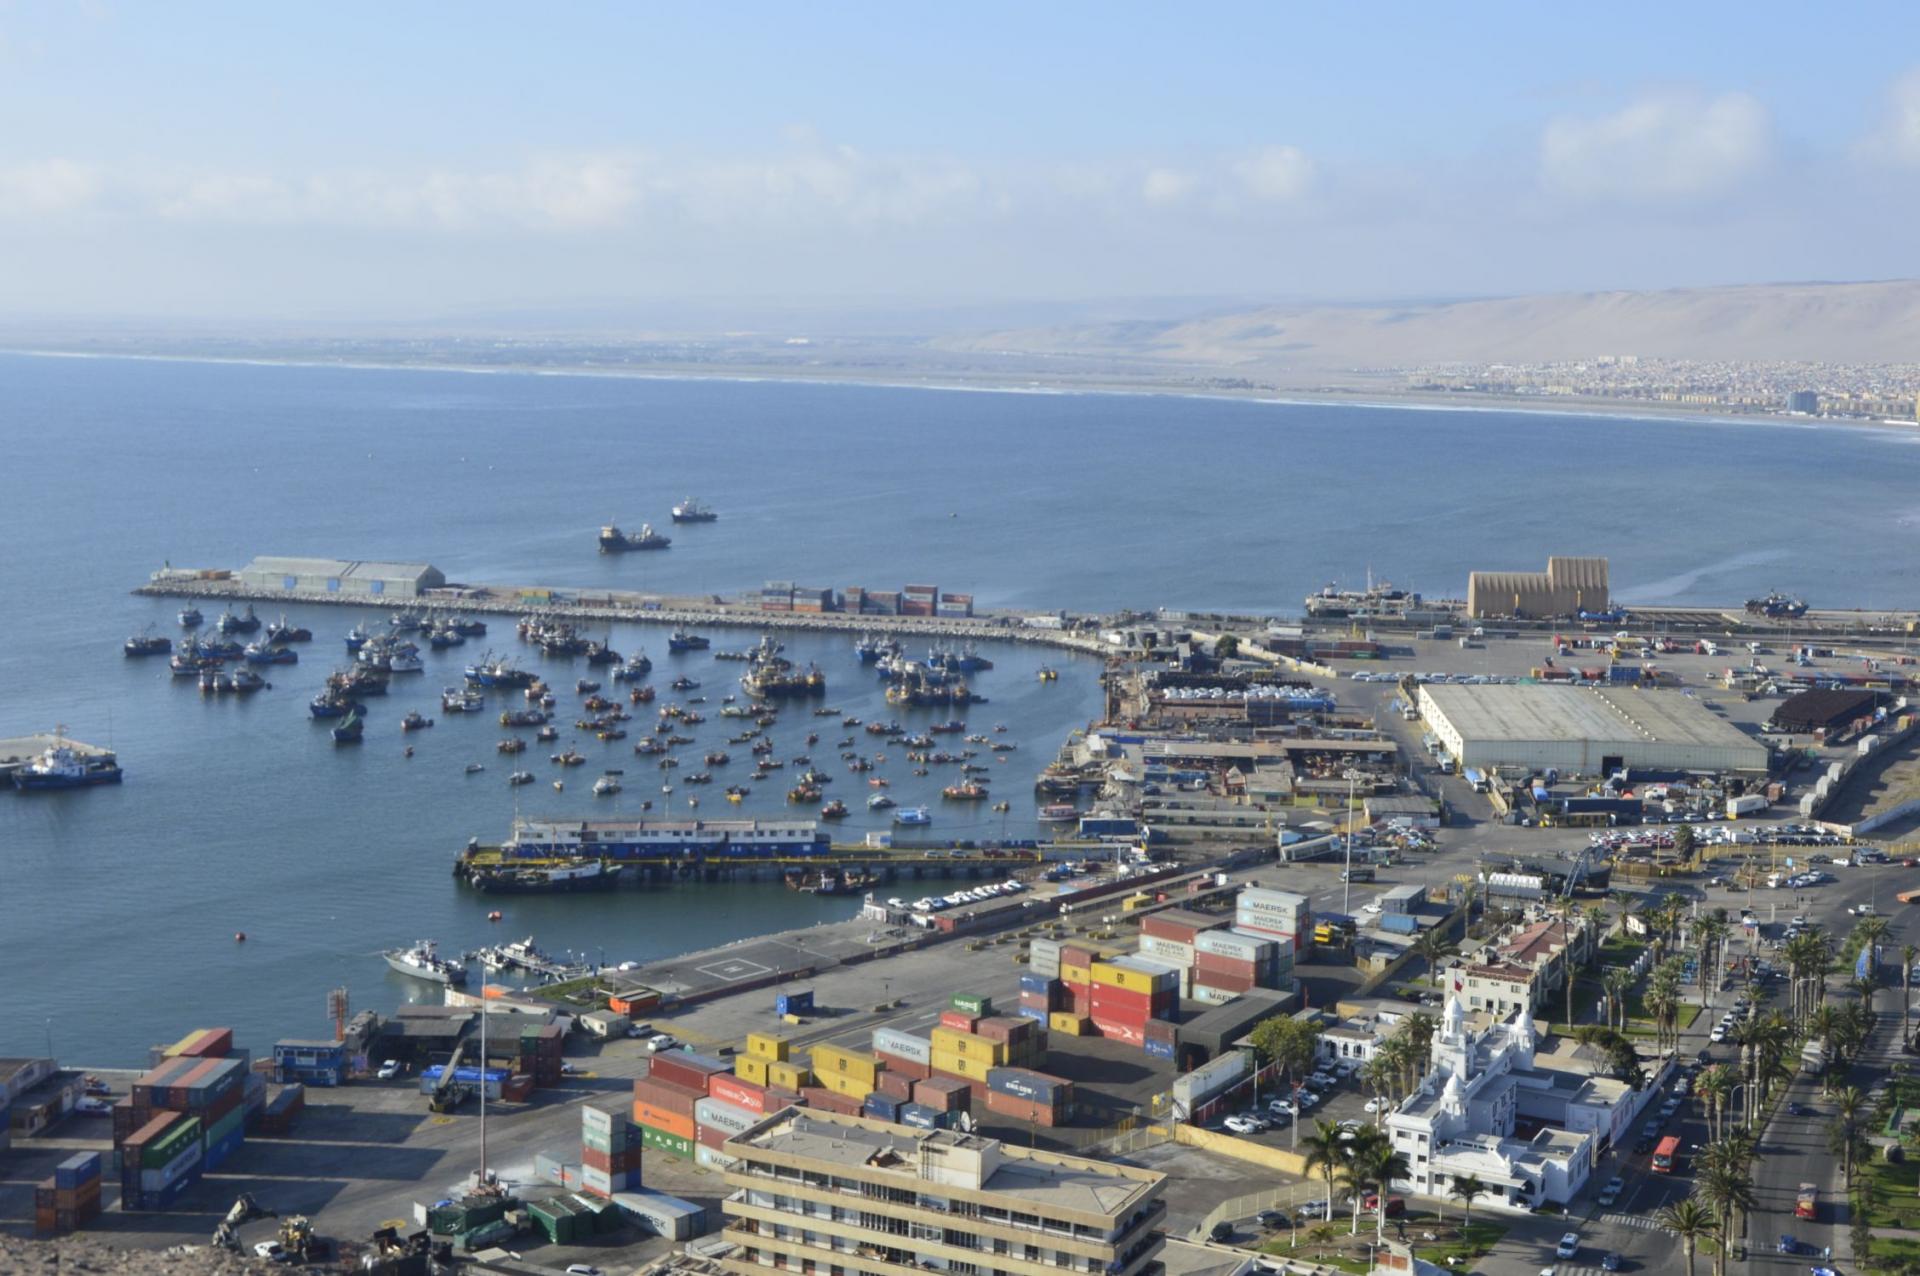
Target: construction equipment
449, 1094
296, 1236
226, 1233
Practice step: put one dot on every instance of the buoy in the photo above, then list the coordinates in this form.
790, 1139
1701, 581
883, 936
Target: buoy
239, 936
495, 915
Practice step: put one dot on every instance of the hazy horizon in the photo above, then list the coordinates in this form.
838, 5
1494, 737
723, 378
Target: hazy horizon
434, 165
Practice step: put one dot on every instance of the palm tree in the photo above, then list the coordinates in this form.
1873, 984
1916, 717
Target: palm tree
1845, 1139
1691, 1221
1617, 982
1907, 955
1432, 946
1322, 1149
1380, 1163
1726, 1190
1468, 1188
1715, 1088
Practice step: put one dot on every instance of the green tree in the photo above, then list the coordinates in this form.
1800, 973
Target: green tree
1323, 1155
1689, 1220
1226, 647
1908, 953
1290, 1043
1683, 842
1466, 1189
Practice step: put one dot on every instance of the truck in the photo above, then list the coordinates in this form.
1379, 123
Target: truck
1813, 1057
1806, 1204
1746, 804
1477, 778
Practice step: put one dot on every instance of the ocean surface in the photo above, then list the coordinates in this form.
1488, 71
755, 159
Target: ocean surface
118, 907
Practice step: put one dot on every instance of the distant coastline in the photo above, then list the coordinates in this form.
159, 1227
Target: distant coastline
1008, 382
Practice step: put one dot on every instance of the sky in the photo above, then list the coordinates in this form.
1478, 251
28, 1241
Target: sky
352, 161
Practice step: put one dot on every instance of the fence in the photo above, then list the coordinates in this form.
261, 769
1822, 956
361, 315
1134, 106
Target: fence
1285, 1196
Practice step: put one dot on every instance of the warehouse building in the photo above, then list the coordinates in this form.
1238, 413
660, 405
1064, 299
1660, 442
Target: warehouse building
1567, 587
1581, 731
813, 1190
341, 576
1817, 711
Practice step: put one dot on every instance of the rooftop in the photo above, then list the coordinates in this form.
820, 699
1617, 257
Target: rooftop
1532, 714
1044, 1179
1542, 939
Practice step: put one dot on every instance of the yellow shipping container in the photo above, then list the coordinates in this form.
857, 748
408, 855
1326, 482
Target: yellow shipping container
852, 1087
968, 1046
1076, 974
767, 1045
1122, 978
749, 1068
1072, 1025
831, 1061
788, 1076
960, 1065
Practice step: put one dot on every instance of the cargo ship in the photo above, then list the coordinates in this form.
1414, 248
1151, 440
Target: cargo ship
615, 541
692, 511
1379, 598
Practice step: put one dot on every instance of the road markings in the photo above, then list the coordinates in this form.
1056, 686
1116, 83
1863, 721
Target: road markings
1640, 1221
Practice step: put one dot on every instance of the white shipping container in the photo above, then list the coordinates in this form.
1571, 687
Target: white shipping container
1261, 898
717, 1114
903, 1045
663, 1215
1170, 950
1196, 1087
712, 1158
1213, 996
1253, 948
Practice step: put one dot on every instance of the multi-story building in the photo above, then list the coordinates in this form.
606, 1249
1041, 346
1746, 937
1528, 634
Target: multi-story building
1525, 971
828, 1195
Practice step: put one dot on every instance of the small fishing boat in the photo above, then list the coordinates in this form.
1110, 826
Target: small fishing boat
350, 731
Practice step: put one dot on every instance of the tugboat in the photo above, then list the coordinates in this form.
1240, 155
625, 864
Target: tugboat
350, 731
61, 766
692, 511
190, 618
414, 722
229, 623
148, 644
680, 640
615, 541
423, 961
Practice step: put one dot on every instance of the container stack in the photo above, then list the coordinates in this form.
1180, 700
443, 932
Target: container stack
904, 1057
1271, 914
71, 1198
1128, 991
850, 1074
733, 1105
1229, 963
970, 1040
664, 1100
918, 600
956, 606
1040, 996
160, 1161
1029, 1096
540, 1054
776, 595
764, 1049
1170, 936
609, 1152
209, 1088
664, 1216
283, 1105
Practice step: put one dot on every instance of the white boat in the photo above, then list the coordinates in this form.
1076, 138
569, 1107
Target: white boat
423, 961
880, 802
606, 785
404, 661
912, 815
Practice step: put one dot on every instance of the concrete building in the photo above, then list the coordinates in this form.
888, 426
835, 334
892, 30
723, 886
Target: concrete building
835, 1195
1462, 1119
1524, 971
1568, 586
341, 576
1584, 731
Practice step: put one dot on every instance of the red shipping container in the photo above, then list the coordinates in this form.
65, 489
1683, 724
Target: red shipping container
1077, 955
666, 1096
1175, 926
708, 1136
906, 1068
958, 1021
778, 1098
826, 1100
896, 1085
1214, 963
728, 1088
1161, 1030
611, 1162
1013, 1030
915, 607
682, 1069
1225, 983
1143, 1006
216, 1044
1008, 1105
1130, 1031
944, 1093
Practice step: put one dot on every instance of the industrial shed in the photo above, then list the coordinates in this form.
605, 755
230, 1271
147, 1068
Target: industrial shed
1213, 1032
1569, 585
341, 576
1581, 731
1812, 711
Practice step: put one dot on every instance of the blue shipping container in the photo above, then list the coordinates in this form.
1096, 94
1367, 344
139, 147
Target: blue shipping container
77, 1170
794, 1003
1160, 1049
1022, 1083
1034, 1013
881, 1108
1030, 982
919, 1114
1400, 923
225, 1146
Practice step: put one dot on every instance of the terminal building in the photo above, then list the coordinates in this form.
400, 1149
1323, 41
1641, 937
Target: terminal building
1568, 586
341, 576
846, 1196
1584, 731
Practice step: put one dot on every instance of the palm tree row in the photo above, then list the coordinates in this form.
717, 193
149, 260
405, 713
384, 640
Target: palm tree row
1722, 1194
1362, 1161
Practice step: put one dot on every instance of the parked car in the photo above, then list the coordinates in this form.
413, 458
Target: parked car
389, 1070
1569, 1246
1240, 1125
662, 1041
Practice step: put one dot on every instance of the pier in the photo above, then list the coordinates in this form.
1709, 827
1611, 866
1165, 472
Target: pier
883, 864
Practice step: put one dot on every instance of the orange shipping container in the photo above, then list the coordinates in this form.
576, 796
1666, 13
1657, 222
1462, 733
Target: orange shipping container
661, 1119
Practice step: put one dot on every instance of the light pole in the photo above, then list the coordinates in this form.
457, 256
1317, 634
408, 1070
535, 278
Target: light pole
1346, 895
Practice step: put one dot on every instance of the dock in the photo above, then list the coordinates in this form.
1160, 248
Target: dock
883, 864
17, 751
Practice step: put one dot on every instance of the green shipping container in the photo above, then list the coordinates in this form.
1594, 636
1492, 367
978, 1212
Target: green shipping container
971, 1003
227, 1124
170, 1145
555, 1221
661, 1141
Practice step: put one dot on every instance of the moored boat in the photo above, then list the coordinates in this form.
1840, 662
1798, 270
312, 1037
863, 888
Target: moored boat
692, 511
61, 766
148, 644
423, 961
615, 541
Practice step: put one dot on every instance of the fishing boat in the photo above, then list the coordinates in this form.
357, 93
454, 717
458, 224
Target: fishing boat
692, 511
834, 810
520, 777
350, 731
680, 640
61, 766
414, 721
190, 617
491, 671
523, 717
638, 666
1058, 813
615, 541
474, 768
607, 785
1049, 674
461, 700
423, 961
543, 879
911, 816
600, 653
230, 623
469, 628
148, 644
333, 704
263, 653
358, 637
971, 791
442, 638
281, 631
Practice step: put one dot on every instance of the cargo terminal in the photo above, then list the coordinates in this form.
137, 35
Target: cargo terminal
1585, 731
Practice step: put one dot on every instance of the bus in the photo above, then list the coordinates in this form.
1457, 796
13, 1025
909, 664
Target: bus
1807, 1203
1665, 1153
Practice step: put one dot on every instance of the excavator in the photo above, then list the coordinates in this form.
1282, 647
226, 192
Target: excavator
226, 1233
449, 1094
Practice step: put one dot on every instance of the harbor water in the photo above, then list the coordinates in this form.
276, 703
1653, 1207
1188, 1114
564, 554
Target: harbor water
121, 904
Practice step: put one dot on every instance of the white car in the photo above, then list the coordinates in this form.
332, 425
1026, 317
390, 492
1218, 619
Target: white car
1370, 908
664, 1041
1718, 1035
1374, 1105
389, 1070
1241, 1125
569, 1069
272, 1251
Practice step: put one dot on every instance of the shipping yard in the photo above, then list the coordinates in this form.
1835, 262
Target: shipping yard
1342, 826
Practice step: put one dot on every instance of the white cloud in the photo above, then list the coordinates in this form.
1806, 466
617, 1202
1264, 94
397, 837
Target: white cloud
1662, 146
1897, 139
1167, 186
47, 186
1278, 174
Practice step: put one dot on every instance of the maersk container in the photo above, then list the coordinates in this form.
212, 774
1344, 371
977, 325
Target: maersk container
794, 1003
664, 1216
718, 1115
902, 1045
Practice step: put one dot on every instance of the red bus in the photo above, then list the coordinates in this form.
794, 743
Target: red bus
1807, 1203
1665, 1153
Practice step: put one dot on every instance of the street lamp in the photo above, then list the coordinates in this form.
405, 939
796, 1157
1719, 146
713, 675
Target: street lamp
1352, 776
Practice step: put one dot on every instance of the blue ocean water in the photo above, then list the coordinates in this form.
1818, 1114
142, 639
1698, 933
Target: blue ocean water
118, 907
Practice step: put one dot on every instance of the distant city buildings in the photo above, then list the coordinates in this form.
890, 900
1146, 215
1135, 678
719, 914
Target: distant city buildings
1889, 392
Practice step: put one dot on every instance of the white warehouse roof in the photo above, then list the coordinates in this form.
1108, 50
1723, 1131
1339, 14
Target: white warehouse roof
1577, 729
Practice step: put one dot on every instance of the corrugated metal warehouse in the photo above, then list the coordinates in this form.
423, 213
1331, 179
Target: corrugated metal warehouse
1569, 585
1585, 731
1812, 711
341, 576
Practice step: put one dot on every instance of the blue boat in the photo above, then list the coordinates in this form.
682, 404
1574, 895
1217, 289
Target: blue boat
350, 731
326, 705
357, 636
63, 767
912, 816
681, 640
